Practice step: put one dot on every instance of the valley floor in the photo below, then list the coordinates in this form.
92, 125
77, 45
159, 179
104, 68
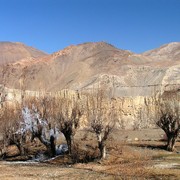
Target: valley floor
131, 155
23, 171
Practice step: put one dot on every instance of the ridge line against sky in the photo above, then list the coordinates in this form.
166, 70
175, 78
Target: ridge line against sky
135, 25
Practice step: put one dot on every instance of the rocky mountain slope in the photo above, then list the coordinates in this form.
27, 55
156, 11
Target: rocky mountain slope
166, 52
92, 65
12, 52
131, 79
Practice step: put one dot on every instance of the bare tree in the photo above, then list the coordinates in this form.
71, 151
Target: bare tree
26, 123
168, 113
38, 120
102, 132
68, 118
11, 118
102, 120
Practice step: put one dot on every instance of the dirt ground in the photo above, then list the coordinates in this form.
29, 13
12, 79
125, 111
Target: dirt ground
130, 155
21, 171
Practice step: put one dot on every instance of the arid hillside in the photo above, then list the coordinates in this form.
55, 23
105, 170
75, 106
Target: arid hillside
12, 52
169, 52
90, 65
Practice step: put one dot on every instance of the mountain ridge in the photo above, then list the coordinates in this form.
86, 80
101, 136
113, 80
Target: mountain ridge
14, 51
88, 65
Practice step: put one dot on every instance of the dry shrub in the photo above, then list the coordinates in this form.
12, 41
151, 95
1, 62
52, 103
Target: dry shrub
122, 161
81, 155
125, 161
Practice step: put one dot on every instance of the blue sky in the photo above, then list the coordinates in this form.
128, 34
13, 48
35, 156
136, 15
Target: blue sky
51, 25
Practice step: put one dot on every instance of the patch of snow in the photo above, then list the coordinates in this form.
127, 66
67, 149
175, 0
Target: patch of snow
166, 166
20, 162
61, 149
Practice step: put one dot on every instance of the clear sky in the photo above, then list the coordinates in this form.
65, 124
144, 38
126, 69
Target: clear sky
51, 25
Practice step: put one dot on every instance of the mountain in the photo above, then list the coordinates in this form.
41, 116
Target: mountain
169, 52
12, 52
90, 65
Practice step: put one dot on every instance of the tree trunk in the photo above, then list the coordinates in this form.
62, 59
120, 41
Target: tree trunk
21, 149
102, 149
69, 143
53, 146
171, 142
104, 152
50, 145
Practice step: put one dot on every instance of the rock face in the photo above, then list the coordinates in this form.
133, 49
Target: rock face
92, 65
12, 52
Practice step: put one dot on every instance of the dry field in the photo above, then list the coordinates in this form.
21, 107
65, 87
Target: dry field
131, 155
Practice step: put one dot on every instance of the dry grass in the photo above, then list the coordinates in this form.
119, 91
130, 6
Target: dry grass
135, 160
122, 161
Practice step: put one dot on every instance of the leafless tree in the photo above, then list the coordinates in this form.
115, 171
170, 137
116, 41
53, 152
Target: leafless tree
168, 114
102, 119
38, 116
11, 118
26, 123
68, 118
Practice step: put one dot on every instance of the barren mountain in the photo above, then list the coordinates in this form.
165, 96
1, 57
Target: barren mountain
12, 52
169, 52
91, 65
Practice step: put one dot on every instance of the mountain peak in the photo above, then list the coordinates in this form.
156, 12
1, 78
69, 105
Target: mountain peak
15, 51
84, 48
169, 51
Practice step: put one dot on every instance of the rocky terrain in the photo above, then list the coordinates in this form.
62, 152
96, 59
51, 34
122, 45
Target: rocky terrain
132, 79
91, 65
12, 52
